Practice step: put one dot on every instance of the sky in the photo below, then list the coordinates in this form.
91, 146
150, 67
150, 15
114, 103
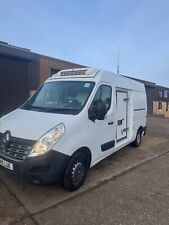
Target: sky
90, 32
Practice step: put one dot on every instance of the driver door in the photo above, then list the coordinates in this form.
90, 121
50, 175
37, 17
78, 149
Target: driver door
102, 133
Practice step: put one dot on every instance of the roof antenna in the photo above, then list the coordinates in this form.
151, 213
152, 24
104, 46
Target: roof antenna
118, 61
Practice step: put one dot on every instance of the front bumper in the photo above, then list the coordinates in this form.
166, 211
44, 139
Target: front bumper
47, 168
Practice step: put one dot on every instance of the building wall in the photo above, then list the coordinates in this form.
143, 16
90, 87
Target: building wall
166, 114
161, 101
161, 94
159, 107
14, 82
150, 97
22, 72
47, 65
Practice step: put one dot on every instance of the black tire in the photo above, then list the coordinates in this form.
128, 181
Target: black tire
75, 172
137, 141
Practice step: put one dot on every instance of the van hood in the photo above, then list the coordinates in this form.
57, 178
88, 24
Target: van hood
31, 124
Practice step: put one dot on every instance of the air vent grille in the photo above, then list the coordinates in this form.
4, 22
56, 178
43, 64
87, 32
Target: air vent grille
73, 72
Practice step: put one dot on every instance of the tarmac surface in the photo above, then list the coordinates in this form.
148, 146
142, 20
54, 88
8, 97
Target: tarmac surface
129, 187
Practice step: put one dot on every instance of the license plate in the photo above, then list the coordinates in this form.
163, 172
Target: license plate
6, 164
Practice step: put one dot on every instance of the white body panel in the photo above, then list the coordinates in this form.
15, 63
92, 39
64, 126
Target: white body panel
128, 103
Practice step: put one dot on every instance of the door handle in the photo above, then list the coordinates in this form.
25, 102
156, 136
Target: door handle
119, 122
110, 123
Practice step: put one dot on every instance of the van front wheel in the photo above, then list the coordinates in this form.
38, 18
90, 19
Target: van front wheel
76, 172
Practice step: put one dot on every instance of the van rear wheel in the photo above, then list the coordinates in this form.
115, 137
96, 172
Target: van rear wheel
76, 172
137, 141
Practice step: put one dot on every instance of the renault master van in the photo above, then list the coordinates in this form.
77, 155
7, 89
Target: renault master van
75, 119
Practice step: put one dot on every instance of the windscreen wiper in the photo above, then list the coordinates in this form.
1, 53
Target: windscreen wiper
30, 107
38, 107
62, 110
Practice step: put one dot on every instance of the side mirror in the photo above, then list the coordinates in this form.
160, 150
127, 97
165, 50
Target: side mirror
97, 111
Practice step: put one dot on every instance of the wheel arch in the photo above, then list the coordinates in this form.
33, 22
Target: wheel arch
87, 152
140, 128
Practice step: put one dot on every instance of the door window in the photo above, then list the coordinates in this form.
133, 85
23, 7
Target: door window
103, 94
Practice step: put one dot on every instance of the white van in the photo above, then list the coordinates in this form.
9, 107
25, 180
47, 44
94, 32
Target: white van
75, 119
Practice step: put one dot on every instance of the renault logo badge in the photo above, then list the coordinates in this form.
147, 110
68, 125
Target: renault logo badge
7, 136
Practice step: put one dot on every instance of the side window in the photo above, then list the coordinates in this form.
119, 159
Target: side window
160, 105
160, 94
106, 96
103, 94
97, 96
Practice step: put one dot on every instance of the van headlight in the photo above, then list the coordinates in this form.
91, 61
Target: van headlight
47, 141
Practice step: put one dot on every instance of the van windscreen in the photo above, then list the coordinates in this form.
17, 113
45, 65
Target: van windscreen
65, 97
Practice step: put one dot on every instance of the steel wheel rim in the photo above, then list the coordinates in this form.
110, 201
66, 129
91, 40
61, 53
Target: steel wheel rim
138, 138
78, 173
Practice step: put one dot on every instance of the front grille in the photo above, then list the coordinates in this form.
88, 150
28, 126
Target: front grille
16, 149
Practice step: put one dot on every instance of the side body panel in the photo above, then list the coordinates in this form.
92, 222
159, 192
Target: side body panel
140, 111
